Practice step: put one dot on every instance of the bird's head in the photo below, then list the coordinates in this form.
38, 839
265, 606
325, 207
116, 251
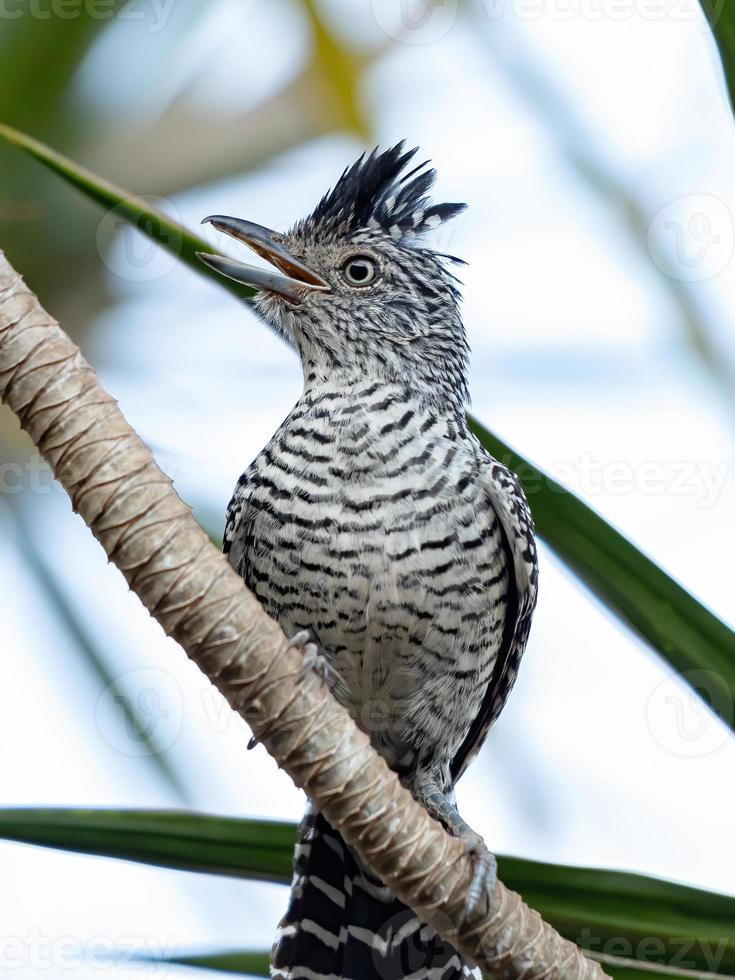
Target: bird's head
358, 292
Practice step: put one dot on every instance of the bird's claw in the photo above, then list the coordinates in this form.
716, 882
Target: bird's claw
314, 660
485, 871
484, 877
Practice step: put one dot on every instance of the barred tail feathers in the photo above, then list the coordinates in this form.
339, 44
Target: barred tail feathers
344, 924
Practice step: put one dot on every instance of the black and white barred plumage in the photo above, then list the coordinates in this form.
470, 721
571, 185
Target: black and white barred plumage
375, 520
343, 922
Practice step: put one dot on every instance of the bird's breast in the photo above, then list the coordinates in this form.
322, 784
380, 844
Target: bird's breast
370, 529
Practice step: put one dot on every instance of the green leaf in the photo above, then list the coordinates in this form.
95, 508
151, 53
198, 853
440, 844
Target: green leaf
721, 17
622, 970
617, 914
690, 637
258, 849
147, 219
254, 964
56, 42
611, 913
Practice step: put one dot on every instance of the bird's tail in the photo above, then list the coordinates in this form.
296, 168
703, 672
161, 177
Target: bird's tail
344, 924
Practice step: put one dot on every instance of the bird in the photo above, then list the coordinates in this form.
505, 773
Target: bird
397, 553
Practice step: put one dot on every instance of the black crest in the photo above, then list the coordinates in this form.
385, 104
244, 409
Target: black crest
376, 193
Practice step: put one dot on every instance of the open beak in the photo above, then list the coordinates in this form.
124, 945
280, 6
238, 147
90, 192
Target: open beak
295, 283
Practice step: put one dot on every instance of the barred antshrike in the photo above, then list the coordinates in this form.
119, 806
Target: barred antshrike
375, 521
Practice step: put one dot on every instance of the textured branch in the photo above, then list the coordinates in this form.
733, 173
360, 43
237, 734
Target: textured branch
168, 561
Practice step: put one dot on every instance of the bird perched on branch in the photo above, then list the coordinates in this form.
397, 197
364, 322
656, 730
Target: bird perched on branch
382, 537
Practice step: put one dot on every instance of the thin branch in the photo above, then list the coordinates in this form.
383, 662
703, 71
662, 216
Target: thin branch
187, 585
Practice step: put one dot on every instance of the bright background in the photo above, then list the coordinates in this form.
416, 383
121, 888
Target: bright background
594, 144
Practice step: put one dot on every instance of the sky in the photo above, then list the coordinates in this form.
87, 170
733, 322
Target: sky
556, 120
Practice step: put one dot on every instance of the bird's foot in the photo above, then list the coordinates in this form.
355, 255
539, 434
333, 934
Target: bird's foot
314, 659
484, 876
486, 867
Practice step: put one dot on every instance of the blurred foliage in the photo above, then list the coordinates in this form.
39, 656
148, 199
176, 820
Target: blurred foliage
683, 631
140, 213
241, 962
182, 145
84, 645
35, 98
29, 97
627, 204
594, 908
157, 153
253, 963
721, 17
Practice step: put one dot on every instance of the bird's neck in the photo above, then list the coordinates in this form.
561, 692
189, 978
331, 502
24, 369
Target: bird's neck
372, 414
435, 391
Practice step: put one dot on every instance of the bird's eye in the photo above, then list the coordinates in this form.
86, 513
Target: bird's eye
359, 270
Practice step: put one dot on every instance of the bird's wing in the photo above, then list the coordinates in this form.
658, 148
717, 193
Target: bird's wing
506, 498
236, 539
